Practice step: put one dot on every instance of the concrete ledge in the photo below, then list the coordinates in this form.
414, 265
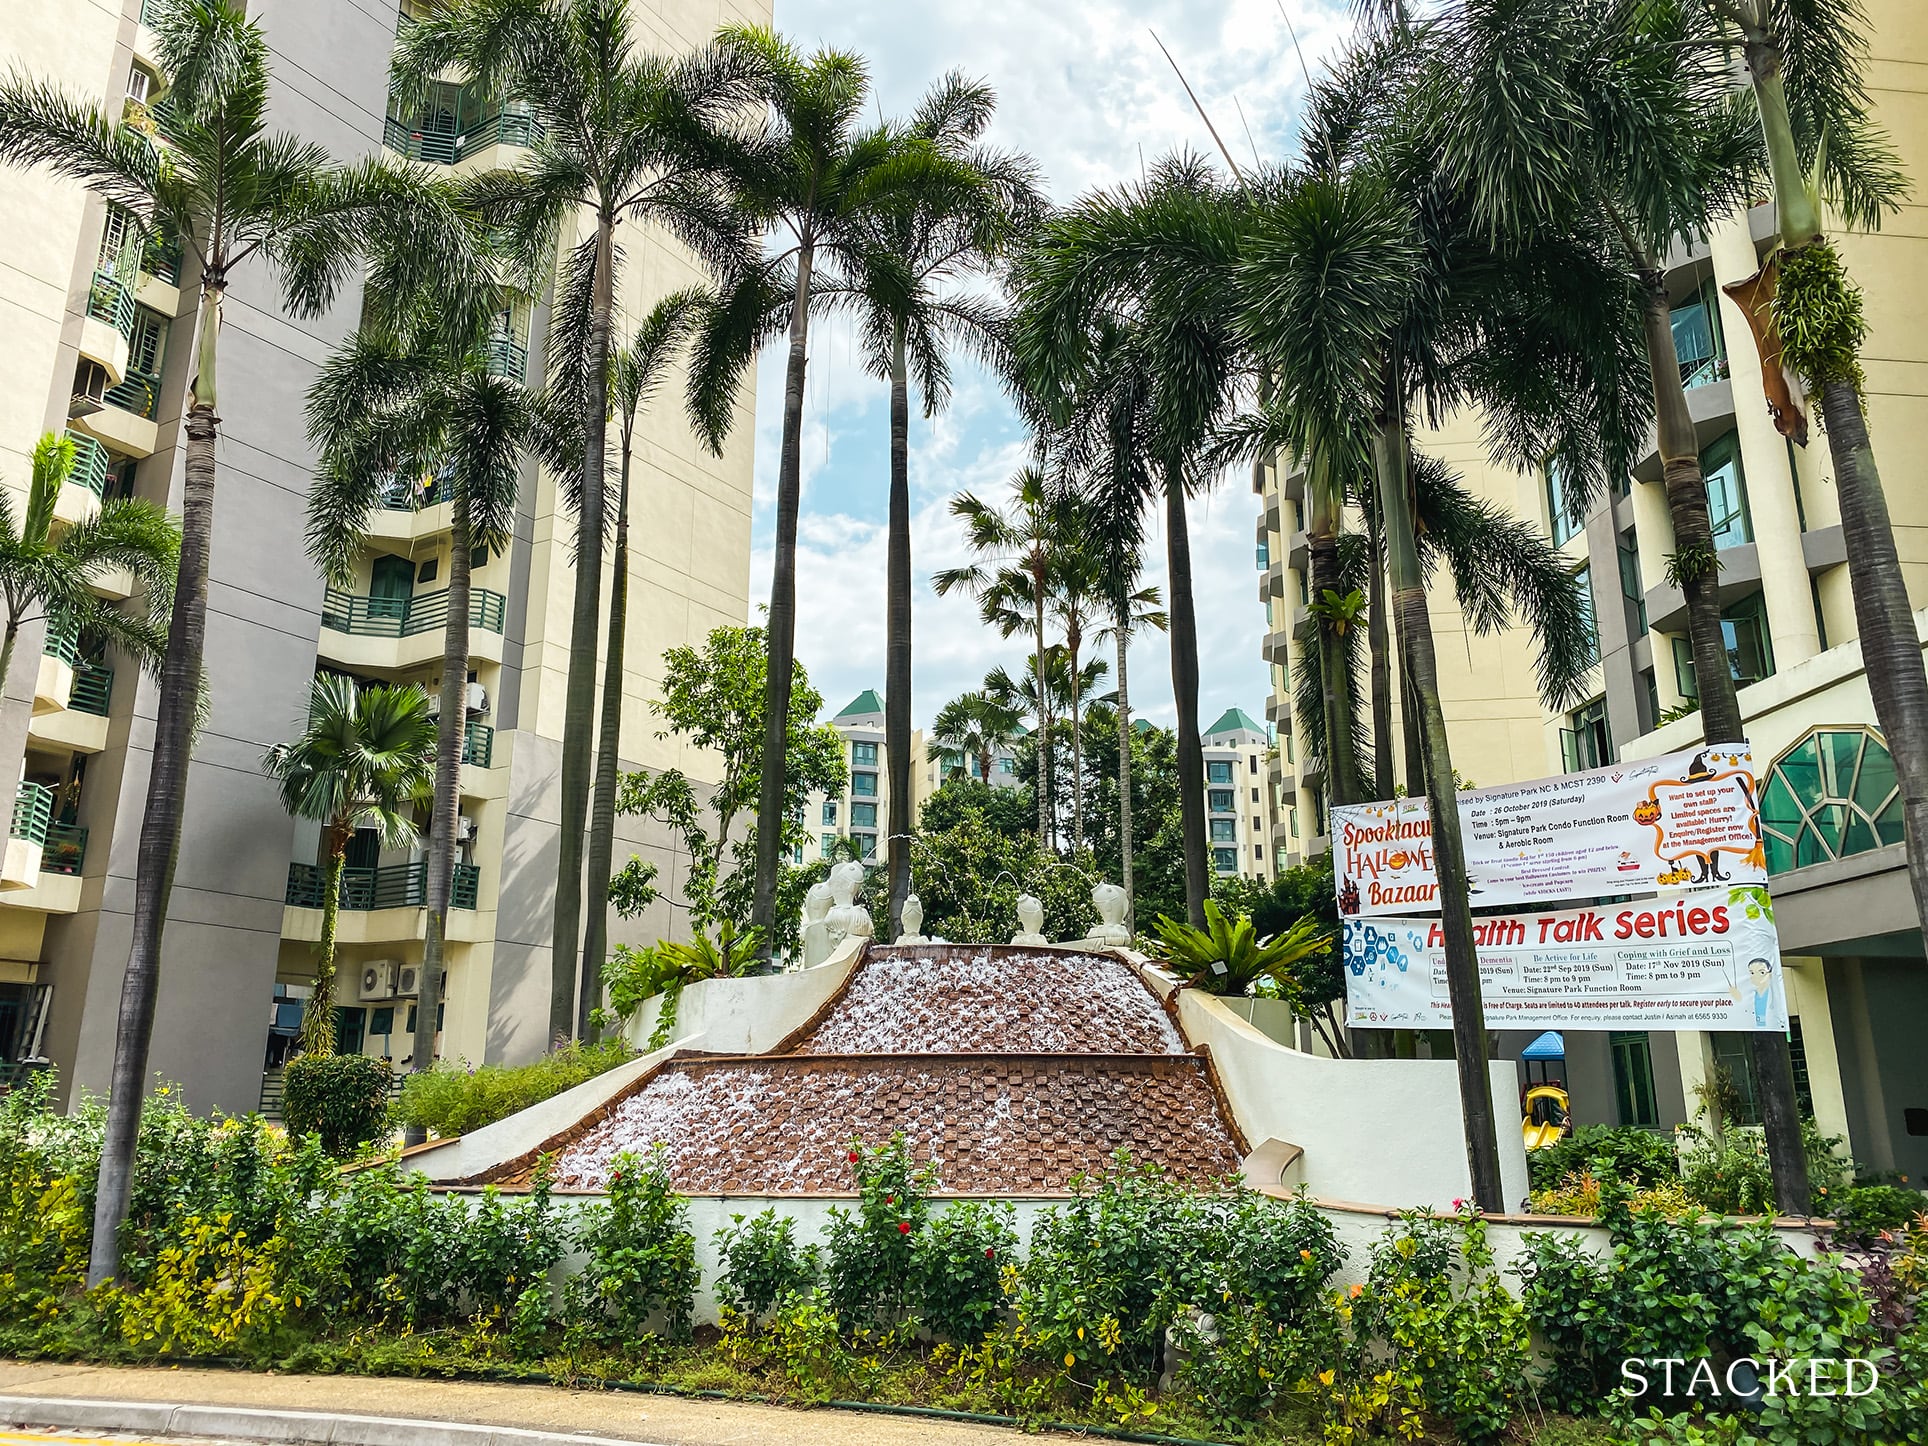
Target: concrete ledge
323, 1428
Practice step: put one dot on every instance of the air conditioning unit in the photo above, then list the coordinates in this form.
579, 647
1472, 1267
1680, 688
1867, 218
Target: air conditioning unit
377, 980
478, 698
465, 829
90, 389
408, 981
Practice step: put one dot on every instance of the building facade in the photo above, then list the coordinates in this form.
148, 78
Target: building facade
1241, 800
102, 338
861, 813
1856, 974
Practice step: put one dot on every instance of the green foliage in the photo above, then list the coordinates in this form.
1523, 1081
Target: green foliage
454, 1098
641, 1257
714, 699
1009, 812
870, 1274
1862, 1213
959, 1268
1633, 1156
969, 877
1313, 984
1819, 314
634, 976
762, 1264
343, 1098
1227, 956
1158, 860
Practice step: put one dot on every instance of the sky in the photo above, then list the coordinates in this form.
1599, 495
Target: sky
1084, 89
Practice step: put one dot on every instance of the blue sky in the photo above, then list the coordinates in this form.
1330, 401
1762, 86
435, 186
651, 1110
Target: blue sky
1084, 89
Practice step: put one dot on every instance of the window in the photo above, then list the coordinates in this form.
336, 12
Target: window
429, 568
1583, 585
829, 844
830, 813
1588, 743
1253, 761
1218, 770
1258, 852
1727, 511
1650, 690
1265, 554
1220, 800
1629, 549
1697, 339
1750, 647
1225, 861
1560, 520
382, 1021
866, 845
1292, 820
1224, 830
1731, 1056
864, 753
479, 557
1633, 1079
140, 85
1007, 765
863, 785
1255, 795
863, 815
1832, 794
144, 347
1820, 618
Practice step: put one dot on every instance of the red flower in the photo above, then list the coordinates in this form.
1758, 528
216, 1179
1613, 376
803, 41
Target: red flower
989, 1253
890, 1199
903, 1227
853, 1157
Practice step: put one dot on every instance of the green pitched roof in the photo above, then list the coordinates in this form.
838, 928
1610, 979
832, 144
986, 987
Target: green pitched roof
1142, 725
1234, 721
865, 702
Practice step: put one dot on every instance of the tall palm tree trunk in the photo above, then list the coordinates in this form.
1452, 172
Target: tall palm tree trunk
318, 1019
1697, 570
1184, 643
451, 732
1381, 653
1073, 644
1449, 854
1047, 772
6, 646
579, 699
1335, 679
898, 822
602, 807
166, 801
1126, 846
782, 621
1408, 715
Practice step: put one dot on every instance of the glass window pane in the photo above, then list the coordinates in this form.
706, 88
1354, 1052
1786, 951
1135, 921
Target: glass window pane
1780, 854
1802, 770
1839, 753
1225, 860
1831, 822
1887, 823
1693, 336
1861, 837
1809, 849
1720, 465
1778, 806
1877, 777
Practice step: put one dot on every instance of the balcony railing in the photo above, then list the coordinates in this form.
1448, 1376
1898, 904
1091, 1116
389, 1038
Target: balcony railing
161, 259
62, 642
407, 494
445, 148
138, 393
66, 849
33, 812
403, 617
1701, 371
93, 689
508, 358
110, 301
435, 147
478, 745
90, 464
393, 886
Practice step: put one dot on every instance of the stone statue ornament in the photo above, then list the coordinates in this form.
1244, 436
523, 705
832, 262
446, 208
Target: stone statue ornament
912, 916
847, 916
1030, 921
817, 943
1110, 931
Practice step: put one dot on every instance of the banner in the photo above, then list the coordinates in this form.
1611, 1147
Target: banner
1687, 820
1707, 960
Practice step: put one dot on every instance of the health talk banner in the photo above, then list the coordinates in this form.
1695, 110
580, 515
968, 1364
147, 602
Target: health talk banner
1687, 820
1704, 960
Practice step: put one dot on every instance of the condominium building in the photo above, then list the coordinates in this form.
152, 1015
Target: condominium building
1857, 977
861, 813
100, 345
1241, 799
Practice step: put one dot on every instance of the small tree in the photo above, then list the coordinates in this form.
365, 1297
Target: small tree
714, 699
363, 759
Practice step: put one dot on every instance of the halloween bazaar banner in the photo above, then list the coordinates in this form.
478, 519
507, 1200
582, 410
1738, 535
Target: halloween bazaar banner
1708, 961
1687, 820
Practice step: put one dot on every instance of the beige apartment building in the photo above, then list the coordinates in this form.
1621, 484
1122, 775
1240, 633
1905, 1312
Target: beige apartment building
100, 339
861, 813
1853, 949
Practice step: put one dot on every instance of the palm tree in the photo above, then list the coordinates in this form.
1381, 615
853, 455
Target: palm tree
1564, 109
363, 758
818, 183
1807, 66
418, 403
973, 725
232, 192
55, 572
625, 136
1131, 608
1154, 258
1047, 685
636, 371
936, 234
1020, 563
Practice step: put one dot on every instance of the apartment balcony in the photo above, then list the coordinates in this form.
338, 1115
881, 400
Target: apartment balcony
1274, 648
79, 499
33, 815
510, 127
1272, 581
478, 745
380, 905
82, 725
405, 632
107, 326
508, 358
53, 687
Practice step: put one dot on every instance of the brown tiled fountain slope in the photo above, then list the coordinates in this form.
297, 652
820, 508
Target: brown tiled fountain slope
1013, 1069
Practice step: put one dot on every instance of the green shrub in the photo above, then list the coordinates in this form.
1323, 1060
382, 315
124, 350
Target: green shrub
762, 1264
1227, 956
870, 1276
1635, 1157
960, 1266
641, 1256
1863, 1212
453, 1099
343, 1098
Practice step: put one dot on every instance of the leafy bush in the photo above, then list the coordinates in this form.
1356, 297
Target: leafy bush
870, 1276
453, 1099
343, 1098
1227, 956
969, 876
960, 1265
762, 1264
1635, 1157
1863, 1212
641, 1256
1580, 1195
